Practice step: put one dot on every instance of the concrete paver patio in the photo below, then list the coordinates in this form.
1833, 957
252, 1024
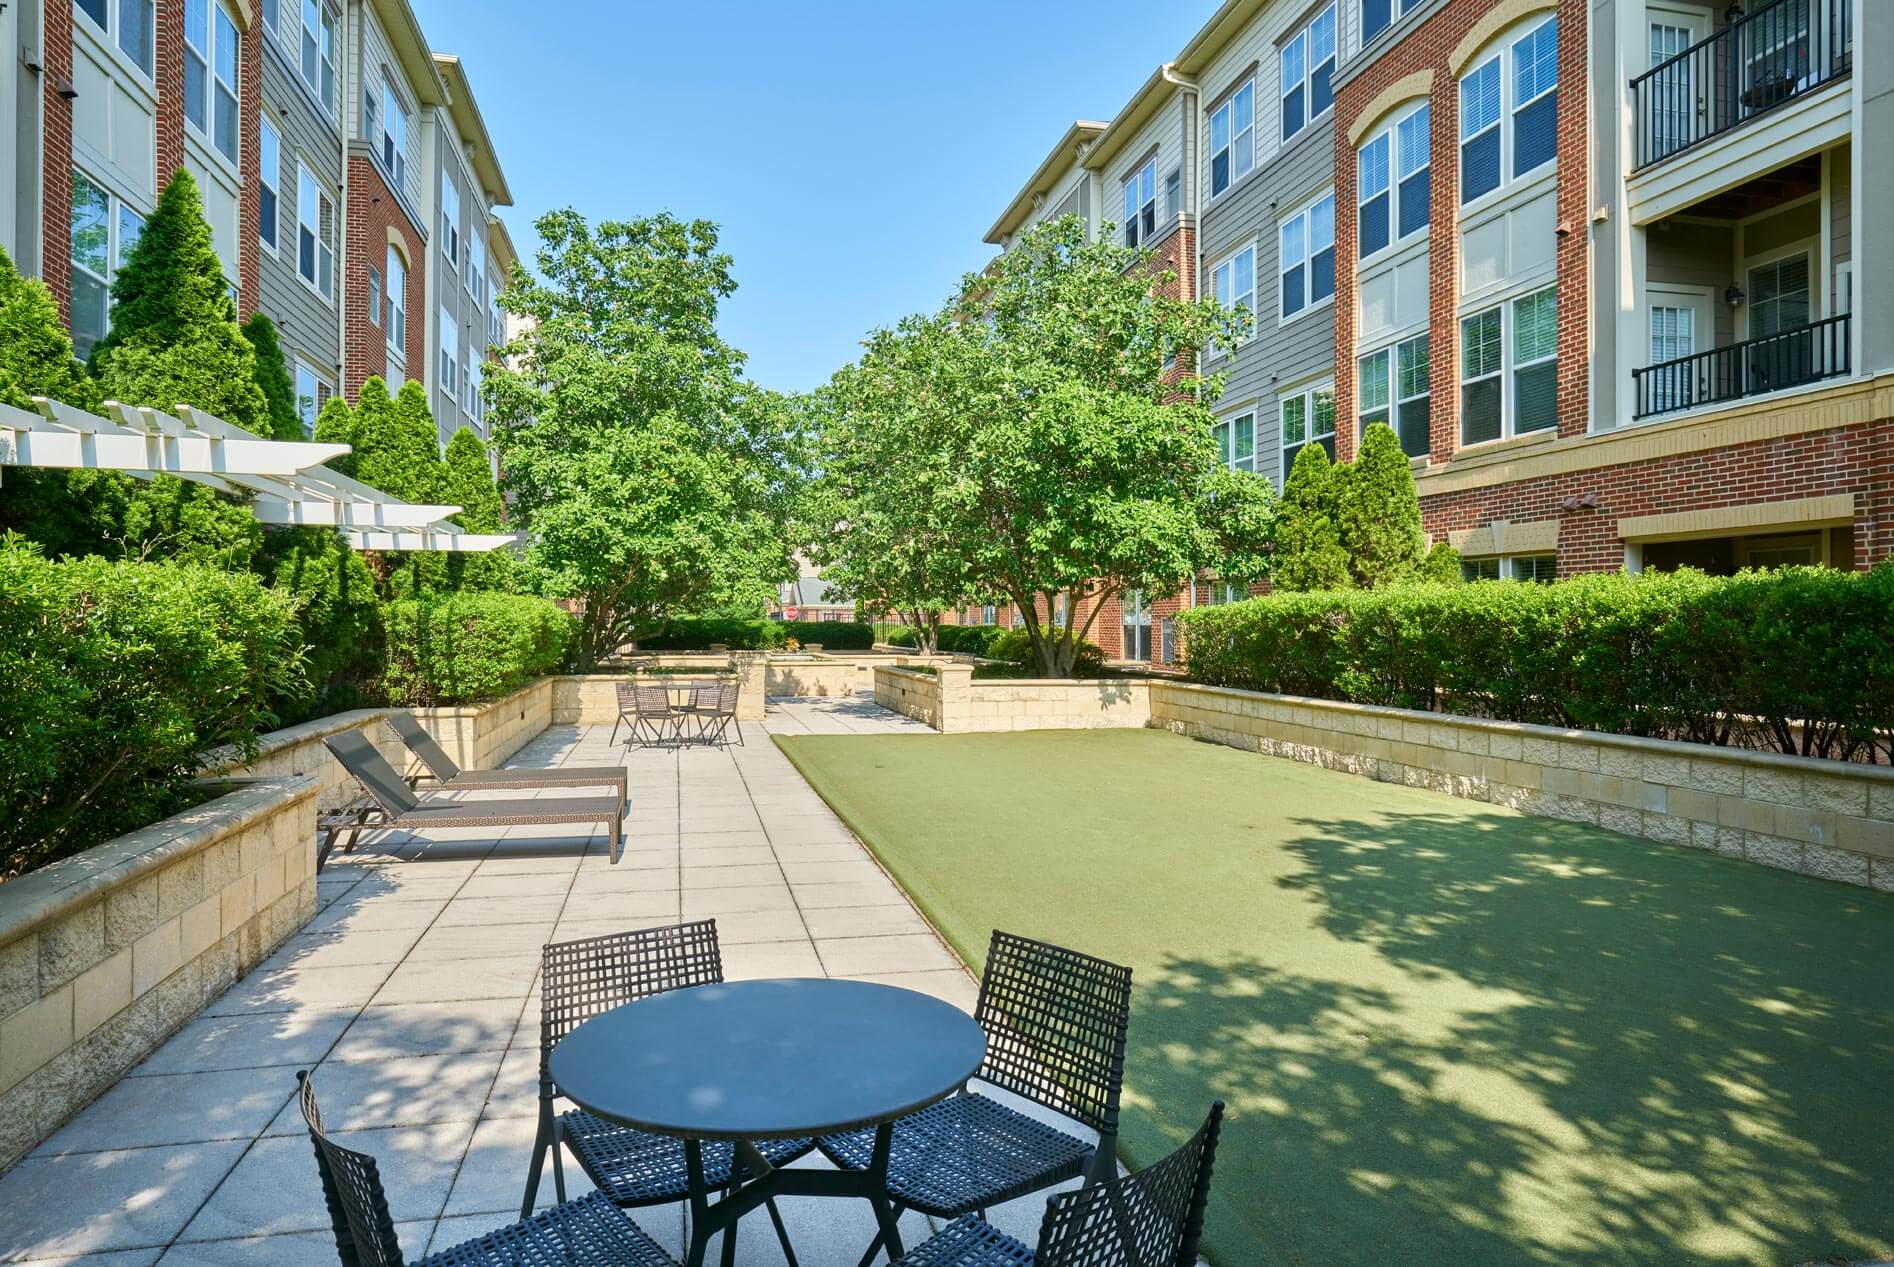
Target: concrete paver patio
413, 994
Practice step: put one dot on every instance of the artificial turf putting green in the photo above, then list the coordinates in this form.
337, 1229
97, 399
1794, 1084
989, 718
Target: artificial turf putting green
1447, 1033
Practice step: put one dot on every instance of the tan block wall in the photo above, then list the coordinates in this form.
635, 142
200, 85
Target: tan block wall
105, 954
591, 699
911, 694
833, 676
483, 736
1049, 706
1820, 818
298, 750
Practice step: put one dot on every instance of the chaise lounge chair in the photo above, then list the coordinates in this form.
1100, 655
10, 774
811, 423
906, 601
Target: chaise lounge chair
452, 778
393, 805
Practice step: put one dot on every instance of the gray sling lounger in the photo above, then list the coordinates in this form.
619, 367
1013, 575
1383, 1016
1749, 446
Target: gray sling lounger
402, 809
454, 779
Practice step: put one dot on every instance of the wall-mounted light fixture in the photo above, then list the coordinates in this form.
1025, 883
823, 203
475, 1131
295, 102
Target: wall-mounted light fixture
1734, 296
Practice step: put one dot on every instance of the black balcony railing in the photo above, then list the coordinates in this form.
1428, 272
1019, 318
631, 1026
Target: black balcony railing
1751, 66
1788, 358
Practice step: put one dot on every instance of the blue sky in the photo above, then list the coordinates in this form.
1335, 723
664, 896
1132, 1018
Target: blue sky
854, 152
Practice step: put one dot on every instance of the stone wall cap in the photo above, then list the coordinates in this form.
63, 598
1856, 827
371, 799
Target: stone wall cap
41, 896
217, 760
1634, 743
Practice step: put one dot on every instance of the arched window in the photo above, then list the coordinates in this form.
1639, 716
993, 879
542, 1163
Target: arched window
1394, 179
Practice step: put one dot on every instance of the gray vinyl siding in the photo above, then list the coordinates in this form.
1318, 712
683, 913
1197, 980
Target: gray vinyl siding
1841, 200
451, 283
1277, 356
307, 325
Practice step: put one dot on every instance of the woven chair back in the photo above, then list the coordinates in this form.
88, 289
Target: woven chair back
586, 977
1153, 1218
351, 1185
1055, 1023
365, 763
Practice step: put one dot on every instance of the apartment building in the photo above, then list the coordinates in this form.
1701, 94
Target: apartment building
1601, 266
320, 133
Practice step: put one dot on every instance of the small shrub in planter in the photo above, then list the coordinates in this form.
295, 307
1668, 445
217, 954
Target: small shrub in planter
1015, 647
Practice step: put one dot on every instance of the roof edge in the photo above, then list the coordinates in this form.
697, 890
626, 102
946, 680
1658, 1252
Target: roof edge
1081, 132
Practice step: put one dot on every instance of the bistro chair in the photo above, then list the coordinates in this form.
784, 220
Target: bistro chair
627, 708
652, 713
1055, 1023
631, 1167
1153, 1218
714, 708
589, 1232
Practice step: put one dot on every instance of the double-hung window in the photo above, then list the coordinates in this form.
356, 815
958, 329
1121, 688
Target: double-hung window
1141, 204
133, 23
1233, 282
450, 353
477, 267
1308, 417
104, 231
397, 330
1393, 390
475, 407
315, 234
210, 74
317, 51
1173, 194
1509, 112
1392, 181
394, 134
1377, 15
374, 295
269, 181
450, 219
1509, 368
1236, 441
1221, 592
1233, 138
1308, 67
311, 395
1307, 256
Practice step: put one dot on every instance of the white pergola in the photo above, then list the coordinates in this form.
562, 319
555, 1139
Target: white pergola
285, 481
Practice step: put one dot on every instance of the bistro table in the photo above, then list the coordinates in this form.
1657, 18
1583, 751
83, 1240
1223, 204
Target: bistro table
777, 1059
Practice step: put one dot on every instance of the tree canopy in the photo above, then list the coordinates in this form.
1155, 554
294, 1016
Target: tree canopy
1042, 435
652, 477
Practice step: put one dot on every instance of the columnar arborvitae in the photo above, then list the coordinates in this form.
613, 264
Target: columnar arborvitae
272, 375
469, 483
336, 425
174, 338
1309, 554
396, 446
1377, 512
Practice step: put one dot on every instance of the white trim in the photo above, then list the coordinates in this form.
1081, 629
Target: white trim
1303, 213
1503, 46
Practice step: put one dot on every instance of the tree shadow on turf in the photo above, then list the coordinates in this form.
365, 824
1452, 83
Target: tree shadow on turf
1573, 1048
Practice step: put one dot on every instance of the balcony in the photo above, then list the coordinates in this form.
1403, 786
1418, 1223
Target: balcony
1794, 357
1758, 62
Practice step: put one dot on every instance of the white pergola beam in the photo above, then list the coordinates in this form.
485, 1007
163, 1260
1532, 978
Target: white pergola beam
63, 437
438, 538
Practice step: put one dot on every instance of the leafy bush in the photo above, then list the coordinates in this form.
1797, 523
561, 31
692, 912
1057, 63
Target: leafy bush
337, 618
969, 639
1015, 647
113, 677
468, 647
697, 634
898, 635
1799, 660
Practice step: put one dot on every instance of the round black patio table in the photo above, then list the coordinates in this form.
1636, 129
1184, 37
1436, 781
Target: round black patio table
776, 1059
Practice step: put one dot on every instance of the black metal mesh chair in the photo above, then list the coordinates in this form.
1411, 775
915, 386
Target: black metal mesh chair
591, 1232
580, 979
1153, 1218
627, 708
1055, 1023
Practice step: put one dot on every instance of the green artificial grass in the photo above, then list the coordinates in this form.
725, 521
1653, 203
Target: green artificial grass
1446, 1033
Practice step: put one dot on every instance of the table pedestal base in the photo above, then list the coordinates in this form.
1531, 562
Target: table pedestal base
767, 1182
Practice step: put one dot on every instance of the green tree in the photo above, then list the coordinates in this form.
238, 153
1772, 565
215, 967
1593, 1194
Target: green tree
336, 425
467, 482
174, 338
1059, 455
272, 375
337, 616
64, 511
1377, 512
633, 451
397, 449
1309, 553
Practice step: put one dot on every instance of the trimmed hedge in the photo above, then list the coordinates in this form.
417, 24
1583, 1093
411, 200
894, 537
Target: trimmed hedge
113, 678
759, 635
969, 639
469, 647
1015, 647
1799, 660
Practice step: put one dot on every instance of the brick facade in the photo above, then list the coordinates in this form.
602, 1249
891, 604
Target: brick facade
1429, 48
56, 163
377, 217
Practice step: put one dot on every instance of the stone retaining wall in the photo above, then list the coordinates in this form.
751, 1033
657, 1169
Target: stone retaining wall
951, 701
1821, 818
835, 674
103, 955
911, 694
591, 699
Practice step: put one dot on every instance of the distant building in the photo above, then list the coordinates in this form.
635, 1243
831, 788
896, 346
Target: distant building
809, 597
